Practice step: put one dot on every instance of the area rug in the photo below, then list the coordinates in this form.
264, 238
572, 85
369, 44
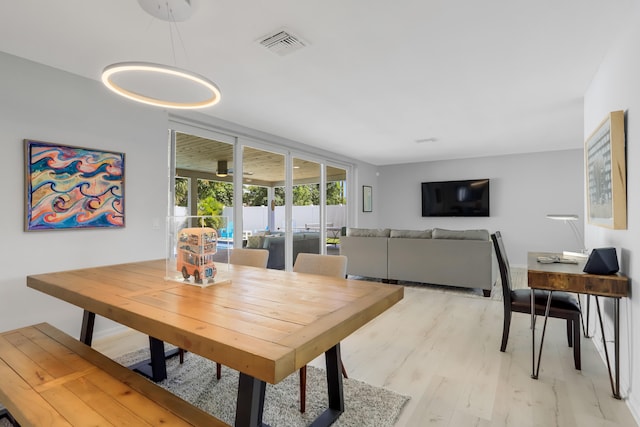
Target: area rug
195, 381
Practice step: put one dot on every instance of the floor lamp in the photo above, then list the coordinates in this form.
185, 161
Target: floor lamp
570, 220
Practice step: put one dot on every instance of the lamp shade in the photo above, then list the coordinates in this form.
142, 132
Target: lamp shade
563, 217
570, 220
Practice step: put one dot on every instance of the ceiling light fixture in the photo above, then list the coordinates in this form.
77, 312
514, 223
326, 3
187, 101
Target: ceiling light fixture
425, 140
222, 170
157, 84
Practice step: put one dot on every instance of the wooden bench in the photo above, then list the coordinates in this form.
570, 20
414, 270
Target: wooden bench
50, 379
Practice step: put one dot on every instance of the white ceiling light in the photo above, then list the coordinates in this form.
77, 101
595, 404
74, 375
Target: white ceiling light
158, 84
426, 140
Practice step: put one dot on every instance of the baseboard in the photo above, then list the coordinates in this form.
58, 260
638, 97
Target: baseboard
634, 407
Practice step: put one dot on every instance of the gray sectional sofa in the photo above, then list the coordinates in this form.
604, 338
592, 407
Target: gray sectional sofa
445, 257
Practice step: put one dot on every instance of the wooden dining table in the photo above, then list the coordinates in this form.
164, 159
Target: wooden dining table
264, 323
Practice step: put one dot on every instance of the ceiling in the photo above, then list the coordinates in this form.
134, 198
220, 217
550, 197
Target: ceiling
468, 78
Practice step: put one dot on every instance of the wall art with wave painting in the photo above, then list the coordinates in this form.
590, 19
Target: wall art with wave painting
72, 187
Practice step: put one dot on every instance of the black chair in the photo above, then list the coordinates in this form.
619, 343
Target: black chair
563, 305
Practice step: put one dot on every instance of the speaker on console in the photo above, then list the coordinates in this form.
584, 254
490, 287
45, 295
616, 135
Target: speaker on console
602, 261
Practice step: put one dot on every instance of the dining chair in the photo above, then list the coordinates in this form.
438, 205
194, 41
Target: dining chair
322, 265
563, 305
249, 257
238, 256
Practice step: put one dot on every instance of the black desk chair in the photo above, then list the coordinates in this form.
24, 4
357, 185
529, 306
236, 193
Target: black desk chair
563, 305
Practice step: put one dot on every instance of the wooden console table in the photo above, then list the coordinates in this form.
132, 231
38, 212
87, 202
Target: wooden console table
571, 278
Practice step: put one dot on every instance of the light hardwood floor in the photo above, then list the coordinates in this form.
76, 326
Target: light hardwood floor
441, 348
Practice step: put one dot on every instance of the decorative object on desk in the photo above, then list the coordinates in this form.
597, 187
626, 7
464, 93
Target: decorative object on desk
556, 259
606, 173
195, 381
570, 220
158, 84
192, 245
367, 198
602, 261
72, 188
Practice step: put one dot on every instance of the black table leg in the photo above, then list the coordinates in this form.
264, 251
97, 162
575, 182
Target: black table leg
334, 387
5, 414
536, 368
250, 404
615, 384
155, 368
616, 338
86, 331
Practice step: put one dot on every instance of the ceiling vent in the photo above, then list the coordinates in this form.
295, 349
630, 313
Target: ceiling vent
282, 42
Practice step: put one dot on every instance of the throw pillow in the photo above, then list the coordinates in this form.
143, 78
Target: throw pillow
411, 234
368, 232
440, 233
255, 242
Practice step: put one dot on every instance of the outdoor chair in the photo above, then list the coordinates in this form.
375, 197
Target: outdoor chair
323, 265
563, 305
226, 233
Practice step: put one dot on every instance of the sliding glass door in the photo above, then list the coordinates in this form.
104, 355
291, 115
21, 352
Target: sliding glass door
336, 207
272, 198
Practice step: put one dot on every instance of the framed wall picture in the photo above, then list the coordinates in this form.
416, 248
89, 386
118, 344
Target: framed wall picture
367, 198
605, 164
72, 187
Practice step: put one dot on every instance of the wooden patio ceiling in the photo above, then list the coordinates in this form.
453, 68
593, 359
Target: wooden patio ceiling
198, 157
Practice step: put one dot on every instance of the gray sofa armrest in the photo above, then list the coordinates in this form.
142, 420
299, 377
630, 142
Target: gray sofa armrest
366, 256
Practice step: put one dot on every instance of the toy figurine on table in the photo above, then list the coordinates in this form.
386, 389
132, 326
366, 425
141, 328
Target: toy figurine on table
195, 250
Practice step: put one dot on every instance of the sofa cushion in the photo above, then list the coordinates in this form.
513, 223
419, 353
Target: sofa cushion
271, 239
255, 242
368, 232
411, 234
441, 233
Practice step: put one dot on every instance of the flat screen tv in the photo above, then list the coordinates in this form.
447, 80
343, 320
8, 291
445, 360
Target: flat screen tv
456, 198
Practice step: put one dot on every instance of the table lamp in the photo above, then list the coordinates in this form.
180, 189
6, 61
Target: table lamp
570, 220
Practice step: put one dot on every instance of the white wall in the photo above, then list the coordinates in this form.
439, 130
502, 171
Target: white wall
523, 190
616, 87
45, 104
368, 175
